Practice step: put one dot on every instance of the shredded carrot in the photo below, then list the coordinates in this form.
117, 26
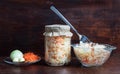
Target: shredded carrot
30, 57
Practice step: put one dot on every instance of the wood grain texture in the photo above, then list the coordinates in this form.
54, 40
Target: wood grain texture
22, 22
112, 66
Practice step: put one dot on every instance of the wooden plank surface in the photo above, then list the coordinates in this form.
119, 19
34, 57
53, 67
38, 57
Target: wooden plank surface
112, 66
22, 22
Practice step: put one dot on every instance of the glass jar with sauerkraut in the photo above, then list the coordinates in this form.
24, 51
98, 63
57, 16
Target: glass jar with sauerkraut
57, 44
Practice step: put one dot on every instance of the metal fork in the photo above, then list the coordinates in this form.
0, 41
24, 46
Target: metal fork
82, 38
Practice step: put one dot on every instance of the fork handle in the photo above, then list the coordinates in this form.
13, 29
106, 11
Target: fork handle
63, 18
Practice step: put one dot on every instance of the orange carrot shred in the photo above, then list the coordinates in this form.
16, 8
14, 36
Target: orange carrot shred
30, 57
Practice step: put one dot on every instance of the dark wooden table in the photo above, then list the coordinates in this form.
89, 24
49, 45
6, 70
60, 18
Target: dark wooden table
112, 66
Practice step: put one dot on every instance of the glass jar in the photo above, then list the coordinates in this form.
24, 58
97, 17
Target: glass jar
57, 44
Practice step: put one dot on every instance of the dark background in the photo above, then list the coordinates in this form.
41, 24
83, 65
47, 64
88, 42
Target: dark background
22, 22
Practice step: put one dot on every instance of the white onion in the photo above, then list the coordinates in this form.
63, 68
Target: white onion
16, 54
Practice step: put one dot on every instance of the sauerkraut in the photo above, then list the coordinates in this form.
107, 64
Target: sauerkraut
92, 54
58, 50
57, 44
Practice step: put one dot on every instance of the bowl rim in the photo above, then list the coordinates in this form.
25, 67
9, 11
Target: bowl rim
107, 46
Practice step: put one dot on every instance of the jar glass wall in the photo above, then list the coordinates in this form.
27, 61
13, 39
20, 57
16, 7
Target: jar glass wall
58, 47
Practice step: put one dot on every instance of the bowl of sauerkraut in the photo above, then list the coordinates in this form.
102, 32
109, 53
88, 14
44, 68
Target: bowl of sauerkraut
92, 54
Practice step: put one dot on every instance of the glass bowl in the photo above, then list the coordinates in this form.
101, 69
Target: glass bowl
92, 54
